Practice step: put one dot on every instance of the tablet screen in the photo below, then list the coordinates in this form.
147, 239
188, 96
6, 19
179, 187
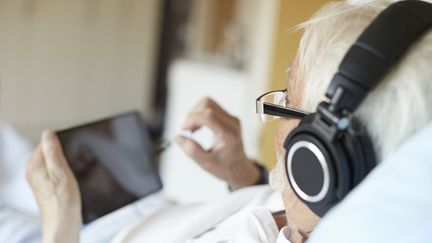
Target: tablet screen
113, 162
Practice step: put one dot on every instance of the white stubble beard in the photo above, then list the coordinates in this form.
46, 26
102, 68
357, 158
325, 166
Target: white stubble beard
277, 177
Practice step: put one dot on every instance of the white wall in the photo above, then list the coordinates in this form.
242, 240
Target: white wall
189, 82
63, 62
235, 90
262, 22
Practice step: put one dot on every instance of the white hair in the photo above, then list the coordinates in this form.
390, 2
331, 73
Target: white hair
399, 105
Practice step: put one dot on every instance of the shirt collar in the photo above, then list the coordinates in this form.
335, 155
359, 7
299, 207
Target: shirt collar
284, 234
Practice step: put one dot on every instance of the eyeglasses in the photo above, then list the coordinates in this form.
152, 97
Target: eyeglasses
274, 104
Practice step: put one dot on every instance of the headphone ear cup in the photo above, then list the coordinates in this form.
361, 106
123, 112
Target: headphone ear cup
359, 150
309, 134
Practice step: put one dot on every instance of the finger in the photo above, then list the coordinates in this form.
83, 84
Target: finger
207, 104
202, 104
196, 110
214, 105
209, 119
194, 121
210, 115
36, 159
192, 148
35, 167
53, 153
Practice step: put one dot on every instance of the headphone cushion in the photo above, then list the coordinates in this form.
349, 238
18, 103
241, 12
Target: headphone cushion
360, 151
336, 159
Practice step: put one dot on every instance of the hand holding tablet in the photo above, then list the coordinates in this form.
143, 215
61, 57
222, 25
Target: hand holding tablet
113, 161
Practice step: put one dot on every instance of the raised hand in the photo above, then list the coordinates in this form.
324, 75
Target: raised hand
226, 159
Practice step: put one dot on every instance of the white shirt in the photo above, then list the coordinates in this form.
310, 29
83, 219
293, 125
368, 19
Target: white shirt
393, 204
243, 216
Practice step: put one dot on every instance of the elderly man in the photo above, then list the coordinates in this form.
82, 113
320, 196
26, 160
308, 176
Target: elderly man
398, 107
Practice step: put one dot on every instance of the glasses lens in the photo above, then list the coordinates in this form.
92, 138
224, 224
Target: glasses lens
276, 98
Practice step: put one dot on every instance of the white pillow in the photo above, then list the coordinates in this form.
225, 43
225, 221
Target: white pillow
393, 204
15, 192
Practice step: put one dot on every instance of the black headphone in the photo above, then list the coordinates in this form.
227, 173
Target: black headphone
329, 153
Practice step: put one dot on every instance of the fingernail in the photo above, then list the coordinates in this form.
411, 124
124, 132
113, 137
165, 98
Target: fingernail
46, 136
48, 139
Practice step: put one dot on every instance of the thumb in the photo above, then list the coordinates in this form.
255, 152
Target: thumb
52, 152
36, 167
191, 148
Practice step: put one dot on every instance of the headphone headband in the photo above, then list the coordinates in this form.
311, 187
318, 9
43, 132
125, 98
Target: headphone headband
379, 47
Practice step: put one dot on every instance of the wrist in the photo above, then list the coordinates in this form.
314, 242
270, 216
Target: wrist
245, 174
62, 234
63, 229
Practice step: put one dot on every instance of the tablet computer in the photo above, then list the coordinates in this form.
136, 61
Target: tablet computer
113, 161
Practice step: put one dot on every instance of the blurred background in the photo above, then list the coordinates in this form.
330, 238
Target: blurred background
63, 63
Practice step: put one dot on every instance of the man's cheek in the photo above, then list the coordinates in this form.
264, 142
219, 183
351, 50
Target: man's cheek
284, 128
281, 134
278, 180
